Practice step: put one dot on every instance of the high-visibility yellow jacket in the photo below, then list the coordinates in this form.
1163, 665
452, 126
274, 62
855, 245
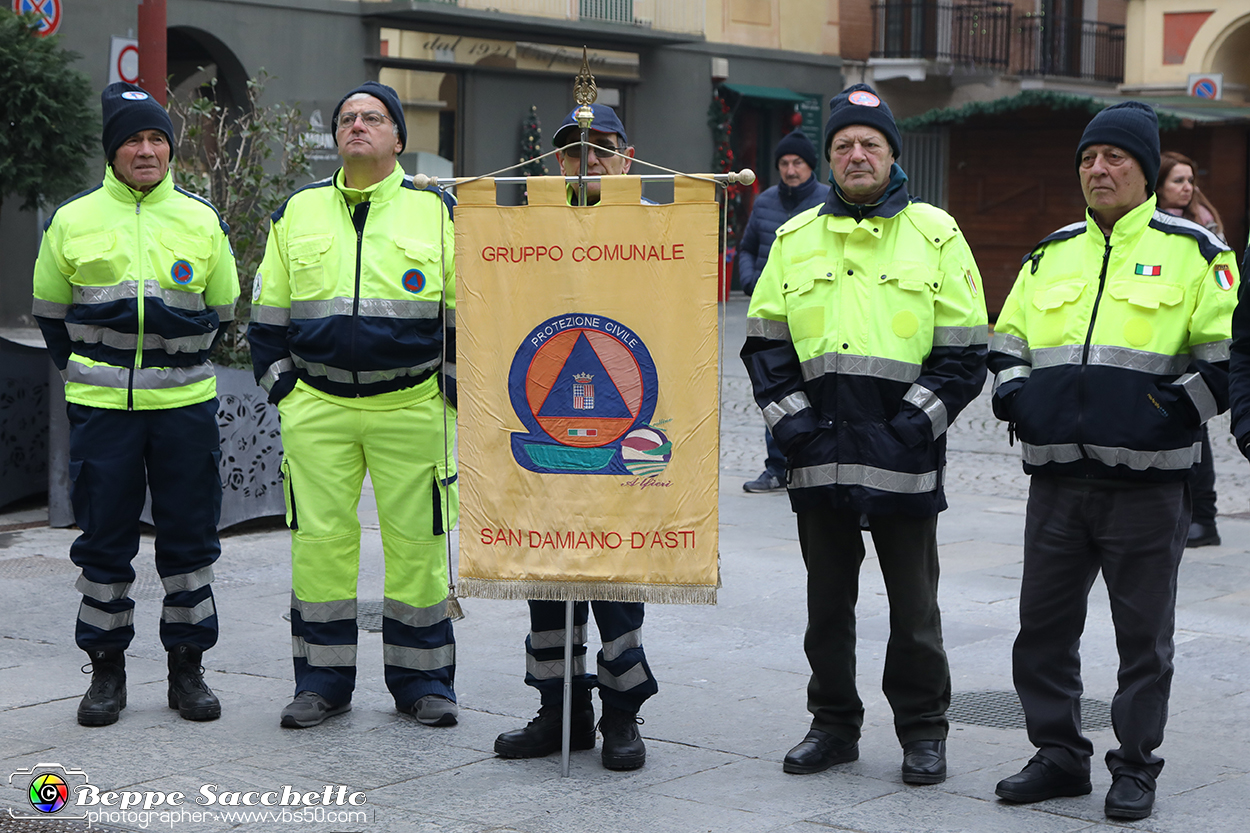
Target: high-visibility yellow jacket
353, 290
1111, 351
131, 289
866, 336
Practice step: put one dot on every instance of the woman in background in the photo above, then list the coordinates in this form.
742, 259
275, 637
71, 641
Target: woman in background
1179, 195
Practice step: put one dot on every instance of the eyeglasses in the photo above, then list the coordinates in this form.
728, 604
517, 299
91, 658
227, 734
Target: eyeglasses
602, 150
371, 118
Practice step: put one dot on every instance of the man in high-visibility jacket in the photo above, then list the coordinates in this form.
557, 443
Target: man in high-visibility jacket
866, 337
353, 335
623, 675
1110, 353
134, 282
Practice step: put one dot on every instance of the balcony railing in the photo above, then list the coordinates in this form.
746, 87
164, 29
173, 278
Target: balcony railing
1069, 47
686, 16
975, 33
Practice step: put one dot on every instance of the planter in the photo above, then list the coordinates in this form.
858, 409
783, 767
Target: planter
24, 385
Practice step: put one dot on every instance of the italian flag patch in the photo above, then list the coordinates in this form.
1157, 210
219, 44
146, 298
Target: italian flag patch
1149, 271
1223, 276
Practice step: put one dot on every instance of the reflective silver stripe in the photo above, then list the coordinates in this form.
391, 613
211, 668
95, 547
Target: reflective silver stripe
102, 592
94, 334
373, 307
635, 676
1200, 395
105, 621
48, 309
449, 318
540, 640
334, 611
225, 312
270, 377
365, 377
768, 328
323, 655
928, 401
791, 405
1172, 459
1009, 345
414, 617
186, 582
420, 659
105, 294
274, 316
145, 378
553, 669
1020, 371
176, 298
189, 615
1105, 355
449, 370
618, 646
850, 365
961, 336
835, 474
1212, 351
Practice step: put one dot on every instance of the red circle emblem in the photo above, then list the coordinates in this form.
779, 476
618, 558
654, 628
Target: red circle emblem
864, 99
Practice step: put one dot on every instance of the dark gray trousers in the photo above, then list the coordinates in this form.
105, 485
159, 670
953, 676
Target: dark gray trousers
917, 679
1136, 537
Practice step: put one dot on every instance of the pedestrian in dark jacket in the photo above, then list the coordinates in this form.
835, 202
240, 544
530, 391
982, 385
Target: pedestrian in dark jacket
798, 191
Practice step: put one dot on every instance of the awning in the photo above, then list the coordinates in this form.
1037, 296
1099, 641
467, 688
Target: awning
1175, 111
765, 93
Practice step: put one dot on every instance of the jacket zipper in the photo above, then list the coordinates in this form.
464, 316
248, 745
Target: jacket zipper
1089, 336
141, 295
359, 214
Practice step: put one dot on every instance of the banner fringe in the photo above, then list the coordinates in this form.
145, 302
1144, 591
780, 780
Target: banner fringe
579, 591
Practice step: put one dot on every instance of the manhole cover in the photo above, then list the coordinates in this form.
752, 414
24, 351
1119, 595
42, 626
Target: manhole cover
1002, 710
35, 566
368, 616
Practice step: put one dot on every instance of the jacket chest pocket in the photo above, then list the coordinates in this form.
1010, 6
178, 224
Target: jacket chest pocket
307, 257
1148, 312
1056, 317
420, 266
91, 257
181, 260
905, 299
810, 311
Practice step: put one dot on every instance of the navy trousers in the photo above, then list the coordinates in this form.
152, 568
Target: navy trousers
624, 679
1135, 537
114, 456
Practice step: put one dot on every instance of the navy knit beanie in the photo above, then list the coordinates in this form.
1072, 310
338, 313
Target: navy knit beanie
860, 104
382, 93
127, 109
796, 142
1131, 126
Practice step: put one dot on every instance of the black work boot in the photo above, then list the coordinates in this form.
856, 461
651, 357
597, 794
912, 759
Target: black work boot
622, 745
541, 736
105, 699
188, 693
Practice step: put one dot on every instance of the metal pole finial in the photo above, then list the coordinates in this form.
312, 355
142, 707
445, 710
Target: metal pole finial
584, 90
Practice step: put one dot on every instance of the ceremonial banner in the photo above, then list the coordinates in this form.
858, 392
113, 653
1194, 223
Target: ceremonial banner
587, 371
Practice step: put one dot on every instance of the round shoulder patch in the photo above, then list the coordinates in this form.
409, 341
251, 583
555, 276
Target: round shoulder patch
864, 99
413, 280
134, 95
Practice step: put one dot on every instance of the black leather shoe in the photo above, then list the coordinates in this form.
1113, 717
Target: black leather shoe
1040, 780
1129, 798
924, 762
541, 736
188, 693
622, 745
819, 751
106, 697
1202, 535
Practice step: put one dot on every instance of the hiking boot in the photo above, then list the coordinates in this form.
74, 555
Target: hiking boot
310, 708
106, 697
435, 710
622, 745
541, 736
188, 693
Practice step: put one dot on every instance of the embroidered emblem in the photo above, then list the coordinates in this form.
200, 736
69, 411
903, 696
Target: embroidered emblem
1149, 271
181, 272
414, 281
864, 99
1223, 276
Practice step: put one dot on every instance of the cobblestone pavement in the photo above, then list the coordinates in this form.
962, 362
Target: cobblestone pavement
979, 460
